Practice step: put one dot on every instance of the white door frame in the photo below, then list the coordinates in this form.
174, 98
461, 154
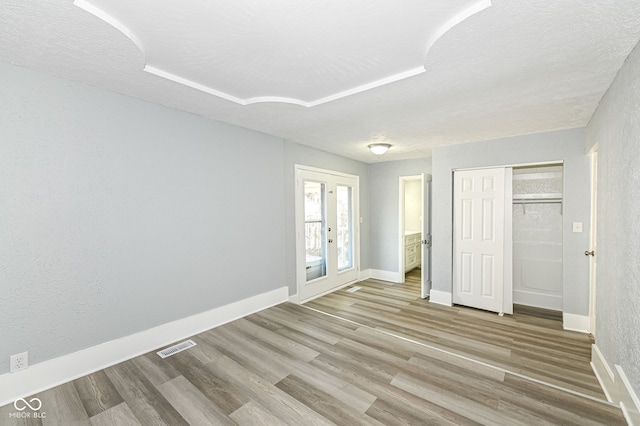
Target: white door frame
507, 301
593, 240
301, 279
426, 242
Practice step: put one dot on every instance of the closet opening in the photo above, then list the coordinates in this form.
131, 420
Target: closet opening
507, 237
537, 236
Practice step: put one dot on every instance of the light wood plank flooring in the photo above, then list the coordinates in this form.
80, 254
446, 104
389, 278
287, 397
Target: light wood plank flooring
391, 362
530, 342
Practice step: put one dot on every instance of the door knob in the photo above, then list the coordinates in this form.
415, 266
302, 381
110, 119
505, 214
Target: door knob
589, 253
330, 240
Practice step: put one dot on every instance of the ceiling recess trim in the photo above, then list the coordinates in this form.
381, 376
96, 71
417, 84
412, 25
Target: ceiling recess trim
101, 14
455, 20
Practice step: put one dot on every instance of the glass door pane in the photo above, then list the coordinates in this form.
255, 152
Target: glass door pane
315, 219
344, 236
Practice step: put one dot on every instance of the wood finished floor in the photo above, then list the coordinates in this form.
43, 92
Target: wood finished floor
293, 365
531, 342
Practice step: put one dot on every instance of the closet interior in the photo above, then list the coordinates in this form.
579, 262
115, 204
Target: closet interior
537, 236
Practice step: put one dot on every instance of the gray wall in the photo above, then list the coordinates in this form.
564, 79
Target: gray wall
566, 145
295, 154
615, 127
118, 215
384, 181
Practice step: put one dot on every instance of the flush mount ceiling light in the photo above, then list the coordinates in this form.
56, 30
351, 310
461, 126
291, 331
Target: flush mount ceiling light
379, 148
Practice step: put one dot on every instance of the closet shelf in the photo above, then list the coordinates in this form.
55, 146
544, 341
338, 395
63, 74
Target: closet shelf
537, 198
546, 195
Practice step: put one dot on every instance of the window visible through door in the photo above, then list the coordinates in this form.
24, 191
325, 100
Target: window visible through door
344, 227
315, 229
327, 230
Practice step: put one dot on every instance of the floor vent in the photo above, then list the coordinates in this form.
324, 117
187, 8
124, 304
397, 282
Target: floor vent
353, 289
176, 348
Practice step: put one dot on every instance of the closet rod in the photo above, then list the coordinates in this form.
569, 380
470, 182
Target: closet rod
536, 201
525, 201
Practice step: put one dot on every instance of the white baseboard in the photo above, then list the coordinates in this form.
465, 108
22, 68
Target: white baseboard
424, 292
294, 299
365, 274
603, 373
575, 322
629, 402
538, 300
48, 374
391, 276
616, 387
441, 297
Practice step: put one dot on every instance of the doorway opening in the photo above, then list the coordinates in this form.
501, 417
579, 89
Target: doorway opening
414, 253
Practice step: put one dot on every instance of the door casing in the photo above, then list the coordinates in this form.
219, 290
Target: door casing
593, 241
351, 275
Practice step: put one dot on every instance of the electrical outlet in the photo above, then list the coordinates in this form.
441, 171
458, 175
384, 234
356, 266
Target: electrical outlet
18, 362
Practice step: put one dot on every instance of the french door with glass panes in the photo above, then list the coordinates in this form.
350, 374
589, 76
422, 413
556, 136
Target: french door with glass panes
327, 231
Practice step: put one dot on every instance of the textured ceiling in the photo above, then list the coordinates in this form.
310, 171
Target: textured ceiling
337, 75
303, 53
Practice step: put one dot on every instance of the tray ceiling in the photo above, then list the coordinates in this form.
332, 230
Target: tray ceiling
338, 75
298, 52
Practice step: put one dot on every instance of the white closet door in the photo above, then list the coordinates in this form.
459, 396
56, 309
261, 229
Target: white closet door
479, 243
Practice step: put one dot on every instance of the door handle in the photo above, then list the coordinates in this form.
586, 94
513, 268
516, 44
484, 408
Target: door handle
589, 253
330, 240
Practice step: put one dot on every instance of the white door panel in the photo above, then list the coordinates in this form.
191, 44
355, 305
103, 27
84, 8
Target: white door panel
479, 239
425, 283
327, 233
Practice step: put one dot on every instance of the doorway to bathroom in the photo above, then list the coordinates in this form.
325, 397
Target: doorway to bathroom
415, 231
